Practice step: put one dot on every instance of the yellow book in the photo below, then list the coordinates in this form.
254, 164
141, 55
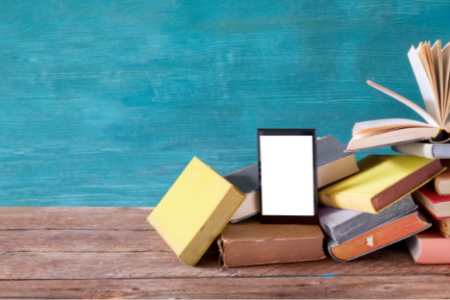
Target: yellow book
195, 210
383, 180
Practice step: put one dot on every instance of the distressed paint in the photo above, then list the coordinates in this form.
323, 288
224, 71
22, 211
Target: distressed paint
103, 103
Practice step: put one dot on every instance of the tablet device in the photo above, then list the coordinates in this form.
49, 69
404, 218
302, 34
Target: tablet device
287, 176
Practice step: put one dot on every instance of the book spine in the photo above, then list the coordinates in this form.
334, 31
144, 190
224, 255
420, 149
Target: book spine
417, 149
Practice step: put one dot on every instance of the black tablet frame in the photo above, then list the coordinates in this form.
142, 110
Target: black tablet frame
286, 219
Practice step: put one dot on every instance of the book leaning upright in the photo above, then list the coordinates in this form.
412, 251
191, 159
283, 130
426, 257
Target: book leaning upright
431, 67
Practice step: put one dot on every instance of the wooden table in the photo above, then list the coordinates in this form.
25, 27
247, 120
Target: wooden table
113, 253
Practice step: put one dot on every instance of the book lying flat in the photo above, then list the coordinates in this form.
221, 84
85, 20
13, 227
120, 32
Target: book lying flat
431, 67
343, 224
379, 237
333, 164
383, 180
251, 243
429, 247
440, 224
437, 205
195, 210
428, 150
442, 181
247, 180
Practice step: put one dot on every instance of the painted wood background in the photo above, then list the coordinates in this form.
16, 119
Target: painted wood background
103, 103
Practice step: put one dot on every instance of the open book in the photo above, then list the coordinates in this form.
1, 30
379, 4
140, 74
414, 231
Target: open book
431, 66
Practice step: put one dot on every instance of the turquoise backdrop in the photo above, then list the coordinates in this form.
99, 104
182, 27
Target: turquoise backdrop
103, 102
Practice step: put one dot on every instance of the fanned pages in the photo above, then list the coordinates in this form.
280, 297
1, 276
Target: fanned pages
431, 67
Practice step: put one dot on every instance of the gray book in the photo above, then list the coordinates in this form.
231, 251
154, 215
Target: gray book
332, 165
427, 150
379, 237
343, 224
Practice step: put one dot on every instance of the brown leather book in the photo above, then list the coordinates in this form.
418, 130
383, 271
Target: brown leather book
250, 243
379, 237
442, 181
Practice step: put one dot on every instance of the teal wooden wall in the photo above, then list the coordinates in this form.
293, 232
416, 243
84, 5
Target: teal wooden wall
103, 102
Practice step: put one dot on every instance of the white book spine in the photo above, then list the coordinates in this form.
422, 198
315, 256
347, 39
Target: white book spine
417, 149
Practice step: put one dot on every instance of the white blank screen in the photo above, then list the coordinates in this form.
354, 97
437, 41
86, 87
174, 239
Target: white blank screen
287, 175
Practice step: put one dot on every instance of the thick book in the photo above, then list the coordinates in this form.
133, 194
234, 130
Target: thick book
333, 164
429, 247
442, 181
251, 243
379, 237
343, 224
247, 180
195, 210
428, 150
437, 205
440, 224
383, 180
431, 67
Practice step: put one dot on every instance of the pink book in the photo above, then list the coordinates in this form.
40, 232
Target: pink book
429, 247
438, 206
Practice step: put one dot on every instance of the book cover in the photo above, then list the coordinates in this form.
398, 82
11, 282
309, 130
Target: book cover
436, 204
431, 66
195, 210
333, 163
429, 247
343, 224
427, 150
383, 180
442, 181
251, 243
379, 237
246, 180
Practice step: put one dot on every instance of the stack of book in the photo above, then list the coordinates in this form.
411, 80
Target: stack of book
374, 208
433, 245
203, 207
431, 67
365, 206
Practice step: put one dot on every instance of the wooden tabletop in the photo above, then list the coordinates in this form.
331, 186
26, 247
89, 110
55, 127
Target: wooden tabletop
114, 253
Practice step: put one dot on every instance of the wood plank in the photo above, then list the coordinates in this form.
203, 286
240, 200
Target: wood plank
111, 218
82, 241
315, 287
129, 265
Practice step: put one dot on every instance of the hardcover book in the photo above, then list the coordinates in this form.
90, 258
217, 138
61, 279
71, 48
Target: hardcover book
251, 243
333, 163
442, 181
431, 67
442, 224
437, 205
383, 180
343, 224
428, 150
429, 247
247, 180
379, 237
195, 210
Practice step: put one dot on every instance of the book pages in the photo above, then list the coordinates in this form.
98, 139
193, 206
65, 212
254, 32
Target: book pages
425, 87
429, 117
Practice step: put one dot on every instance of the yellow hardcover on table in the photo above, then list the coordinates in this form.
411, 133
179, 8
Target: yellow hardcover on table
195, 210
383, 180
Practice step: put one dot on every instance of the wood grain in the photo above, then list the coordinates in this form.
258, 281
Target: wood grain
82, 241
51, 265
108, 218
334, 287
